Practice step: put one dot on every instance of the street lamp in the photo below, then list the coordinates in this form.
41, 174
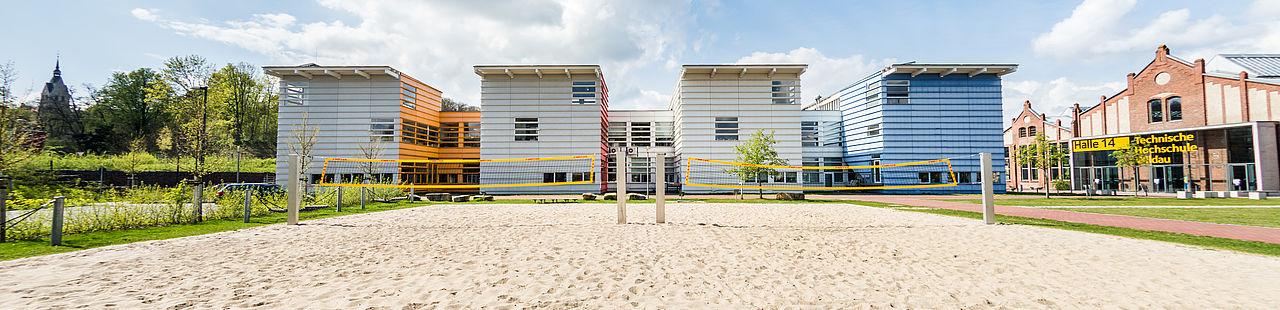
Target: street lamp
204, 120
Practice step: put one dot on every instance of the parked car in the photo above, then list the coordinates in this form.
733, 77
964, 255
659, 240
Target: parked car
258, 189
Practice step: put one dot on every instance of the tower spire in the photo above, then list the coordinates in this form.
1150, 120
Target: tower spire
57, 65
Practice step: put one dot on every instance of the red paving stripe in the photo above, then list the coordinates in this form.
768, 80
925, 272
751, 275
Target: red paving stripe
1251, 233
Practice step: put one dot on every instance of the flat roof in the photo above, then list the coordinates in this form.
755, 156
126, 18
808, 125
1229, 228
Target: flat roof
539, 70
742, 69
947, 69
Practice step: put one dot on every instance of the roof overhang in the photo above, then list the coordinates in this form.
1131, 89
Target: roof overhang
970, 70
539, 70
366, 72
740, 70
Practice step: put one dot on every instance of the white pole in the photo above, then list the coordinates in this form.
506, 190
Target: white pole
660, 199
197, 200
988, 190
621, 174
295, 198
55, 233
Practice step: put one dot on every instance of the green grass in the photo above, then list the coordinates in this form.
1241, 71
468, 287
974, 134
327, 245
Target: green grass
1261, 217
1208, 242
1125, 201
36, 247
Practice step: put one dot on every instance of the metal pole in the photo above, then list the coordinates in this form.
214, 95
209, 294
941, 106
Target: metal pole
339, 200
366, 181
55, 235
988, 190
4, 209
198, 201
660, 199
621, 174
247, 204
295, 197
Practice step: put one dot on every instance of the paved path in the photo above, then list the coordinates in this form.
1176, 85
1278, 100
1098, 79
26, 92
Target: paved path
1251, 233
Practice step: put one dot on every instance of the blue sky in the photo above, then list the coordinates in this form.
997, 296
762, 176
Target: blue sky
1068, 51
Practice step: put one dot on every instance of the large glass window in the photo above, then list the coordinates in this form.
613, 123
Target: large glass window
726, 128
1022, 132
1157, 113
1031, 131
527, 129
1175, 108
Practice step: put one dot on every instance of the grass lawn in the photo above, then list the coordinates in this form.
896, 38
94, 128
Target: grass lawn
1125, 201
75, 242
1262, 217
1208, 242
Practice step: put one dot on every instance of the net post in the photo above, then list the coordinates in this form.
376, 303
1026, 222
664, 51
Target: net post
197, 201
248, 195
295, 198
55, 233
660, 193
338, 201
621, 173
988, 189
366, 181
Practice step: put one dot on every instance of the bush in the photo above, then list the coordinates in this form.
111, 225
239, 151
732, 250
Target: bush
1062, 185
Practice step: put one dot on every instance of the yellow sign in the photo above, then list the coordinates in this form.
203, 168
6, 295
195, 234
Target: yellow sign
1104, 144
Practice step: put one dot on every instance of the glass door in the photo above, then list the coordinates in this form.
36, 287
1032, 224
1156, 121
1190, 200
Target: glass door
1242, 178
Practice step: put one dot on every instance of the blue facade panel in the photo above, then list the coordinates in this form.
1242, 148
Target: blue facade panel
899, 118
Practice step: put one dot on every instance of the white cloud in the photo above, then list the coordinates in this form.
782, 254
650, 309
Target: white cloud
1098, 28
825, 74
1053, 98
144, 14
439, 42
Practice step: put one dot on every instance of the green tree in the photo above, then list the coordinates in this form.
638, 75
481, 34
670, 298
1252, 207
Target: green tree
758, 150
246, 105
130, 107
452, 105
1132, 157
1042, 155
17, 142
191, 109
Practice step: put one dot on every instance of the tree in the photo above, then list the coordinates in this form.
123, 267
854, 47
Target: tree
133, 161
1133, 157
18, 142
302, 140
187, 78
130, 107
372, 149
1042, 155
757, 150
451, 105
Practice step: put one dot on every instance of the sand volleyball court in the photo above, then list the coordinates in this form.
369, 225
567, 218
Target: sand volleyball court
711, 255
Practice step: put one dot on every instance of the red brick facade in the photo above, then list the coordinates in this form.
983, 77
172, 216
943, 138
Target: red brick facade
1023, 130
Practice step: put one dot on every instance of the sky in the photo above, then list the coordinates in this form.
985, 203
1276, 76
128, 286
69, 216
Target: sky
1067, 51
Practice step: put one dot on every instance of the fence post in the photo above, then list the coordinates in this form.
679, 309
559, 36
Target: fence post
988, 189
197, 200
295, 198
621, 174
4, 210
362, 195
338, 201
248, 204
55, 235
660, 201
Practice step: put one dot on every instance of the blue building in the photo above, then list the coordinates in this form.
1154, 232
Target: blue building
915, 112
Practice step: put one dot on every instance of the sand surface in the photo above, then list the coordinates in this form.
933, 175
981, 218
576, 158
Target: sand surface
711, 255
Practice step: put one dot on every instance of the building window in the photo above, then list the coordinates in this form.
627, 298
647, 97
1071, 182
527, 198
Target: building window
808, 133
410, 96
1157, 114
1031, 131
1022, 132
873, 130
584, 92
526, 129
294, 93
786, 92
875, 172
726, 128
1175, 108
896, 88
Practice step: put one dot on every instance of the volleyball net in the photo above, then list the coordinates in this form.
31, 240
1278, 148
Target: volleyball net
725, 174
457, 173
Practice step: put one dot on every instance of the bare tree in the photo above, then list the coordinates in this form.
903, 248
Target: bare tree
372, 149
303, 140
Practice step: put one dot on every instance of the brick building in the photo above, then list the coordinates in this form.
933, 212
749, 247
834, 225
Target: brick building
1022, 131
1207, 126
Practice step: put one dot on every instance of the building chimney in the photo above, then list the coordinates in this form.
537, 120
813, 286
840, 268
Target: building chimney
1162, 51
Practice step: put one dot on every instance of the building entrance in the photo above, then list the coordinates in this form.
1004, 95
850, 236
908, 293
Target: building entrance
1242, 177
1168, 179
